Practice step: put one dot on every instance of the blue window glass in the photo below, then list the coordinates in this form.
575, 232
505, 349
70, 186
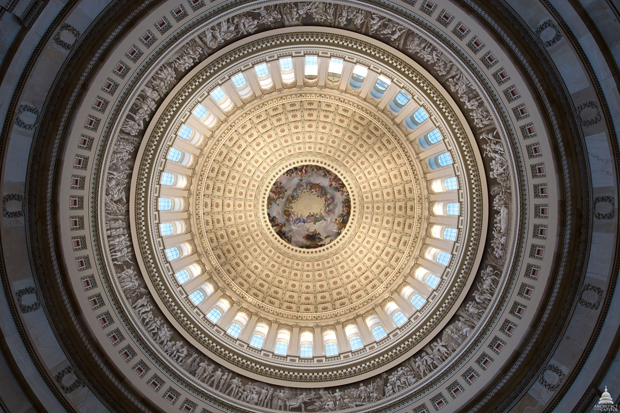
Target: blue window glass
200, 111
378, 333
356, 343
443, 258
174, 155
434, 136
306, 351
381, 85
257, 341
399, 318
444, 159
450, 184
331, 349
420, 115
281, 348
164, 204
402, 98
172, 253
450, 234
182, 276
218, 94
335, 65
432, 281
214, 315
286, 63
418, 301
197, 297
238, 80
185, 132
167, 178
453, 208
234, 330
166, 229
261, 69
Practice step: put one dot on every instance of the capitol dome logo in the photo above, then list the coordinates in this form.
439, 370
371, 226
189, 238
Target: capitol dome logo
606, 403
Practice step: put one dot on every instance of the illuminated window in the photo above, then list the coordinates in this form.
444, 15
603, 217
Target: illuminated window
451, 184
234, 330
167, 178
358, 77
197, 297
214, 315
199, 111
335, 66
399, 318
331, 349
174, 155
185, 132
164, 204
182, 276
432, 281
306, 351
166, 229
311, 67
450, 234
380, 87
418, 301
443, 258
218, 94
453, 208
399, 102
420, 115
257, 341
444, 159
356, 343
378, 333
286, 63
434, 136
172, 253
239, 80
281, 348
262, 69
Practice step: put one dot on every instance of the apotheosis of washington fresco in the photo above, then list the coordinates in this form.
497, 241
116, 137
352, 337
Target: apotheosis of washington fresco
308, 206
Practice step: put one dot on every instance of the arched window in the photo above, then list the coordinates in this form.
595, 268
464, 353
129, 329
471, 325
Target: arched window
416, 119
200, 111
380, 87
197, 297
430, 139
432, 281
358, 77
166, 229
439, 161
335, 67
164, 204
306, 340
182, 276
286, 70
282, 340
451, 184
443, 258
399, 102
260, 333
418, 301
243, 88
264, 78
214, 315
311, 67
378, 333
331, 346
356, 343
453, 208
353, 335
450, 234
399, 318
172, 253
218, 94
223, 101
234, 330
174, 155
167, 179
281, 348
185, 132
